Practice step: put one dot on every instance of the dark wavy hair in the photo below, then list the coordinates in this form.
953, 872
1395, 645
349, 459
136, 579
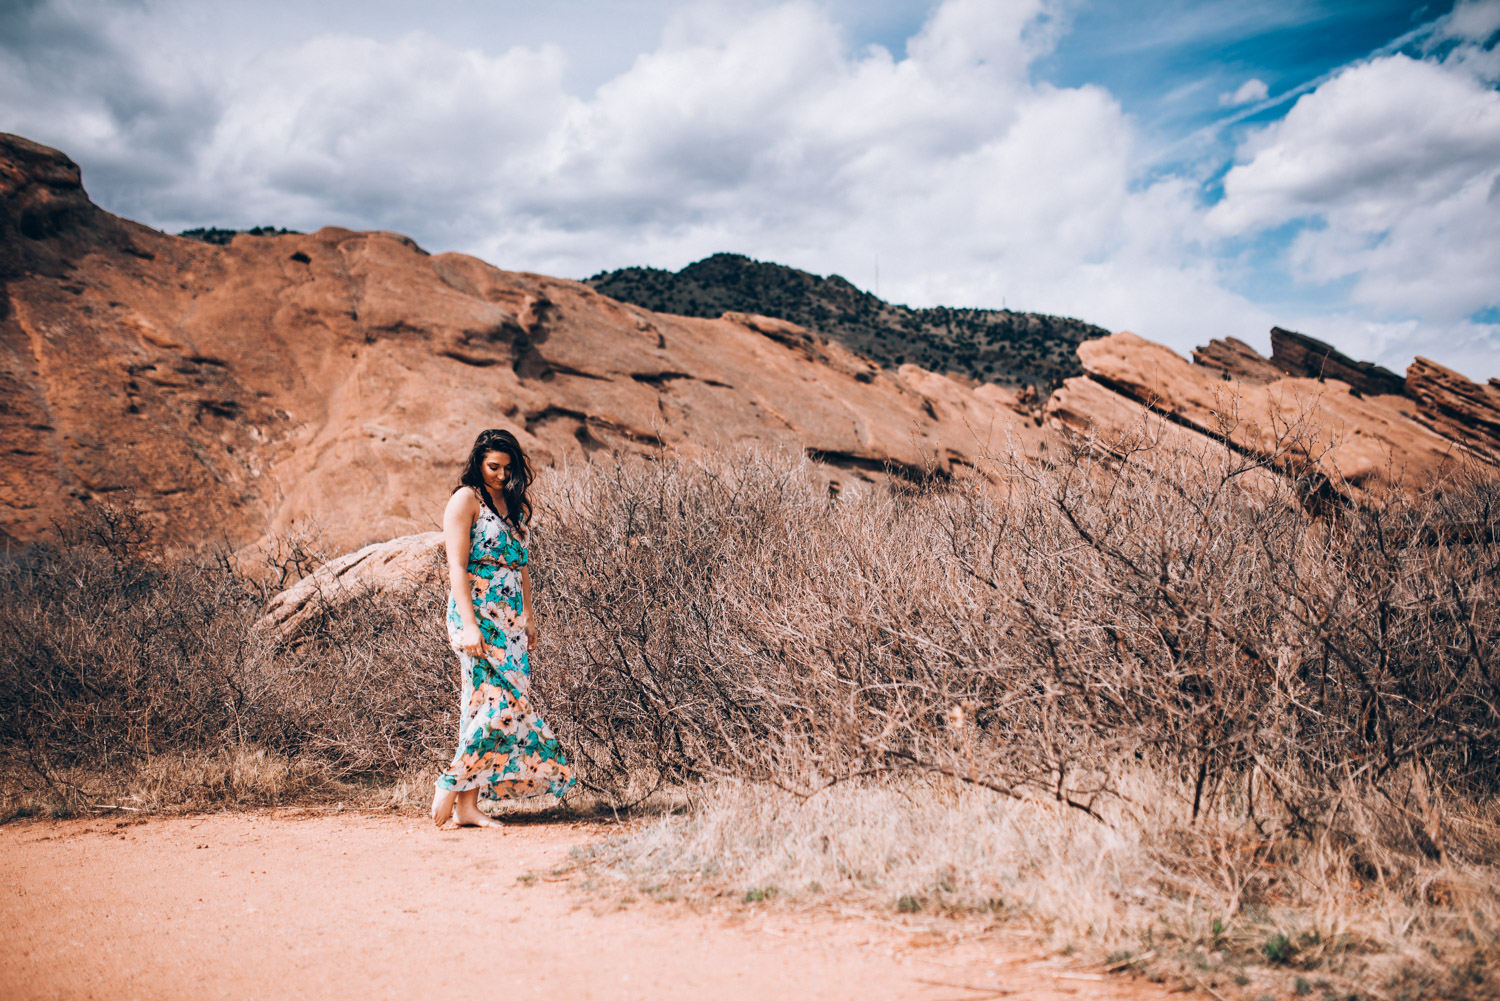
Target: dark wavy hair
517, 477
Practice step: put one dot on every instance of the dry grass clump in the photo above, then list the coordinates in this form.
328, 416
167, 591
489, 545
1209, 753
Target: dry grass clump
1211, 901
229, 778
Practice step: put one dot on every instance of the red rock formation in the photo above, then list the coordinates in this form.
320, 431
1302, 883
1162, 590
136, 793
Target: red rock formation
1235, 359
1467, 412
332, 382
1363, 445
1085, 406
1306, 357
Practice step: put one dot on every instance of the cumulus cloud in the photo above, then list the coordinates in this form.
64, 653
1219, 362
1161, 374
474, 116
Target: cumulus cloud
1249, 92
757, 128
1391, 169
80, 78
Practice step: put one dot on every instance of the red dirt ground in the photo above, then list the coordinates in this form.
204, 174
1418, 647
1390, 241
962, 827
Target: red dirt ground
325, 905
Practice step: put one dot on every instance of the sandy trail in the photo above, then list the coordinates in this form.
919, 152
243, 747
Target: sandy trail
328, 906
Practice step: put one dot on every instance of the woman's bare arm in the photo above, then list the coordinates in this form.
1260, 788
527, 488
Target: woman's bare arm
458, 519
526, 607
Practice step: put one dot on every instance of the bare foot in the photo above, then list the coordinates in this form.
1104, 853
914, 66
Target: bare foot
466, 811
470, 816
442, 806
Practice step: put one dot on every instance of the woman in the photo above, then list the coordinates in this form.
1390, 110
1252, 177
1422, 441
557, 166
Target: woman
505, 751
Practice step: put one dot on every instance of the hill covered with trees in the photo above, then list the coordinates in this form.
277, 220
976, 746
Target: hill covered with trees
988, 345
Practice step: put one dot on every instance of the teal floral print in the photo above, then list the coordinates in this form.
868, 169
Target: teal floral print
505, 749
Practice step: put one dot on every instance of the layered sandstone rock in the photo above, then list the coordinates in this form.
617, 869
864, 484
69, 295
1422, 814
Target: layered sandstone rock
329, 384
1306, 357
1467, 412
1119, 424
1464, 412
1363, 445
1234, 359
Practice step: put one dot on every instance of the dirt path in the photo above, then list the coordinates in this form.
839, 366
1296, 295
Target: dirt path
328, 906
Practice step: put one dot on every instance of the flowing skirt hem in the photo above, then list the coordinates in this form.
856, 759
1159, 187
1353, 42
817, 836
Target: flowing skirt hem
543, 787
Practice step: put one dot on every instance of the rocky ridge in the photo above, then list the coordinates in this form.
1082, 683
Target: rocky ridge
328, 384
1440, 399
1362, 429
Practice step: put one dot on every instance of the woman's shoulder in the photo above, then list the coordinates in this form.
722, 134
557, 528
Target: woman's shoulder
464, 498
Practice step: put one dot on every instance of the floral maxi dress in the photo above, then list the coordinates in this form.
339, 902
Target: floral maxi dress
505, 750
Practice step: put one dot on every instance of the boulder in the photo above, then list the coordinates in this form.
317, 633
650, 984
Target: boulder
397, 567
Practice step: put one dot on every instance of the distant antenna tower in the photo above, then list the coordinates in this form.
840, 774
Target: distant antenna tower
877, 276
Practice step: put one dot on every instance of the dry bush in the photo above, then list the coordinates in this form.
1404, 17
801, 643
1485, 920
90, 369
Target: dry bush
1312, 694
370, 685
122, 669
728, 619
109, 655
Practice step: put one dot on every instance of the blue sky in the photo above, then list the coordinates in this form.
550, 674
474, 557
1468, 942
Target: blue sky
1182, 169
1169, 60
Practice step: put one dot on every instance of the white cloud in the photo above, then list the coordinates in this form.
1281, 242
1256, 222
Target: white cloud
1365, 146
1249, 92
409, 135
1470, 21
1393, 166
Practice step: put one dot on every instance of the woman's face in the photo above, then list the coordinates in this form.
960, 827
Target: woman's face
494, 469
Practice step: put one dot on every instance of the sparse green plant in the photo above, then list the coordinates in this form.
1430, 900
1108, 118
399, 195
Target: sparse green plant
1278, 949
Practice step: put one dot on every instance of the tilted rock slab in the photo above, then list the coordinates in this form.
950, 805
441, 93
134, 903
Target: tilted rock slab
1235, 359
1301, 356
1457, 408
1364, 445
